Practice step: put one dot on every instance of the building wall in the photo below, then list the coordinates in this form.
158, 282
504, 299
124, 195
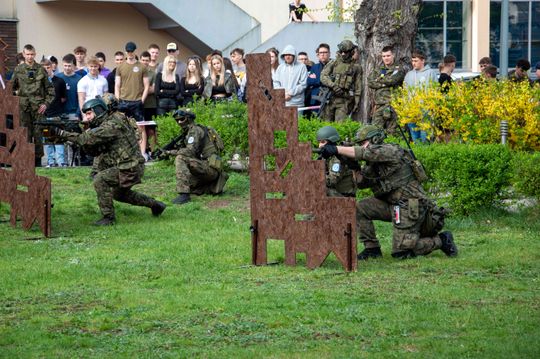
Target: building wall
56, 28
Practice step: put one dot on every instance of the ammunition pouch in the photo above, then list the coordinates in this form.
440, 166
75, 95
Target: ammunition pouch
434, 220
215, 162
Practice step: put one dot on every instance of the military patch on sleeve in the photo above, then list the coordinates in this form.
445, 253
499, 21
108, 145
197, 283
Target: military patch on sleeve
190, 140
335, 167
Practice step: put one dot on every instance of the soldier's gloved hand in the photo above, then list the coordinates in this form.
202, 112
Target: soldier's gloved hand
56, 132
328, 150
338, 91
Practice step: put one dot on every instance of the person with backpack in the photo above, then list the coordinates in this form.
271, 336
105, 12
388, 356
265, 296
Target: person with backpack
199, 168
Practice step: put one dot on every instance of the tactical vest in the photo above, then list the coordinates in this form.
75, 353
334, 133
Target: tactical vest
345, 75
389, 178
125, 150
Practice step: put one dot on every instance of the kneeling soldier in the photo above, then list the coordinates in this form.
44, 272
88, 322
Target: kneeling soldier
395, 179
113, 139
199, 168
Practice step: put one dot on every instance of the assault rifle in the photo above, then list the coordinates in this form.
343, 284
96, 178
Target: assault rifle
324, 96
63, 122
175, 142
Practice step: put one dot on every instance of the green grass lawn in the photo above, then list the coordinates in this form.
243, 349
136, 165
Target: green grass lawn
181, 285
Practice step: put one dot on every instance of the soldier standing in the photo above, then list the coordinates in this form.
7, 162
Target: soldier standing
384, 80
199, 168
339, 177
344, 77
112, 137
393, 176
35, 91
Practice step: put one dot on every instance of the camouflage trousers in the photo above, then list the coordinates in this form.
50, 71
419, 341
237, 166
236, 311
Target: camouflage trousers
407, 225
107, 186
194, 175
338, 109
385, 117
35, 136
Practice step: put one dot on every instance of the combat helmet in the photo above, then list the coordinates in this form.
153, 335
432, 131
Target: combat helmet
184, 116
98, 106
372, 133
328, 133
346, 46
110, 100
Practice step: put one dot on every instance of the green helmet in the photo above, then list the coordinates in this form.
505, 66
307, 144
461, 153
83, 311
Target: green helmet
346, 46
98, 107
372, 133
184, 116
328, 133
110, 100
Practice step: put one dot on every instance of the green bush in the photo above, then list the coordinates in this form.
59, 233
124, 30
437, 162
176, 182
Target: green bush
470, 177
526, 173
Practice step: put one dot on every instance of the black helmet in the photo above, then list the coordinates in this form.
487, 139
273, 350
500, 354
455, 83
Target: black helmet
372, 133
328, 133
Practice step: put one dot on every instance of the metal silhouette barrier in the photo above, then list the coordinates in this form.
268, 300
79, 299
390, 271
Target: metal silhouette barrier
28, 195
287, 187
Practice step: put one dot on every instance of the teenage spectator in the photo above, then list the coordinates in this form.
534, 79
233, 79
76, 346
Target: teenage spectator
484, 62
80, 56
304, 59
239, 69
91, 85
291, 76
131, 89
54, 64
519, 74
150, 105
314, 75
172, 49
71, 78
118, 59
35, 93
103, 71
274, 61
193, 82
207, 65
219, 85
55, 152
229, 69
420, 76
154, 50
297, 9
489, 72
167, 86
445, 78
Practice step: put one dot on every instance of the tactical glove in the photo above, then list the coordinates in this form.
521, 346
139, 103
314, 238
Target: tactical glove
328, 150
55, 132
338, 91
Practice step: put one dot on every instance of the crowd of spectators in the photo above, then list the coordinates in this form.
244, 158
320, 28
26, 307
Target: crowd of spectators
146, 86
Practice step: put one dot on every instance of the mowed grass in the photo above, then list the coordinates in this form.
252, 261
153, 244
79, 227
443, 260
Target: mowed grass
181, 285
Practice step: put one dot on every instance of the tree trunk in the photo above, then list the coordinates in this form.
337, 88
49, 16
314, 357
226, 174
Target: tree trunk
380, 23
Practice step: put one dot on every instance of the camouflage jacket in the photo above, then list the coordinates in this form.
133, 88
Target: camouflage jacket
388, 173
32, 85
343, 76
196, 143
383, 80
114, 142
339, 177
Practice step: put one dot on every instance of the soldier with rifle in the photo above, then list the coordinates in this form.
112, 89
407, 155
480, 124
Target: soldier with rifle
199, 168
112, 138
395, 177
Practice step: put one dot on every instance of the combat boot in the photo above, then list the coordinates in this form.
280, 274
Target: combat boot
182, 198
369, 253
158, 208
447, 244
105, 221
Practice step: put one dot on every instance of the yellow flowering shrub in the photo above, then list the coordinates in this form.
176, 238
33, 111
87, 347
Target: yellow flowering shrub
471, 112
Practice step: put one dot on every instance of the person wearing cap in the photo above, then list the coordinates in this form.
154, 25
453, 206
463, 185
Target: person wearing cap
291, 75
131, 88
172, 49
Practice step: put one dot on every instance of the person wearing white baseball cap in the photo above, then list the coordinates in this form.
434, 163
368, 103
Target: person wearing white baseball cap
172, 49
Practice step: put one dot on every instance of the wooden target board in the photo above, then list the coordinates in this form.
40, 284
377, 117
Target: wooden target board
287, 187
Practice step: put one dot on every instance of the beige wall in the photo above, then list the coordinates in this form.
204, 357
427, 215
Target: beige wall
480, 32
97, 26
274, 14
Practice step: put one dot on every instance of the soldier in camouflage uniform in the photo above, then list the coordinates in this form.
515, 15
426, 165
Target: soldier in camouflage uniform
112, 137
384, 80
339, 177
343, 76
198, 163
36, 92
398, 198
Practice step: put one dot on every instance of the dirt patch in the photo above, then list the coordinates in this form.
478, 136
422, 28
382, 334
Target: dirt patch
219, 203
